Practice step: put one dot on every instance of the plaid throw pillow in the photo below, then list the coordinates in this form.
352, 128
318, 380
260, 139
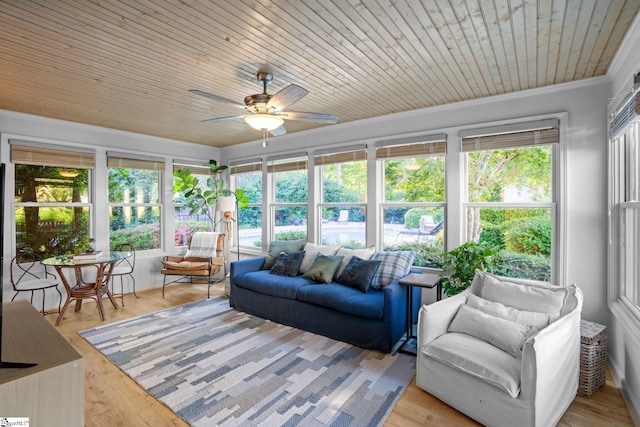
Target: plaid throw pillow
394, 265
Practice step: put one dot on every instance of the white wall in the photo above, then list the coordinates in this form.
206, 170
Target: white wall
623, 334
29, 127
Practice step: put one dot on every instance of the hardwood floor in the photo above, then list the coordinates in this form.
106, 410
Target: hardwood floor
113, 399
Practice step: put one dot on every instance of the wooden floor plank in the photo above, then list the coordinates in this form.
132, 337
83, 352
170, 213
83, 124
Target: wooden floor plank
113, 399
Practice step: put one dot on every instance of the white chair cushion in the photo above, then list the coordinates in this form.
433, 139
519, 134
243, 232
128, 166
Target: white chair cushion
523, 317
504, 334
525, 295
478, 358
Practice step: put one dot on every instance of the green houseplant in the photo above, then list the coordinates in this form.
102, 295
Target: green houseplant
460, 265
201, 198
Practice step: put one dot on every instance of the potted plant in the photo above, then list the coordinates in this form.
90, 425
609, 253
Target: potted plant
201, 199
460, 265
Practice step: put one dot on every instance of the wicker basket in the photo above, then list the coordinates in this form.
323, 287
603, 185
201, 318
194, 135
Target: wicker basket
593, 357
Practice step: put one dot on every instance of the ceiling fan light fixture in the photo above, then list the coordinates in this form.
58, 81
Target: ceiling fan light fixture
264, 122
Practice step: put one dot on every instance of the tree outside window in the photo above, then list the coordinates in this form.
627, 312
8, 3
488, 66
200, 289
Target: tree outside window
289, 208
510, 199
344, 194
248, 177
134, 206
52, 209
414, 197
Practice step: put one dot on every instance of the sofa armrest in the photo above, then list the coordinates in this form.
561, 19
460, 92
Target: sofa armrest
246, 266
434, 319
551, 361
395, 302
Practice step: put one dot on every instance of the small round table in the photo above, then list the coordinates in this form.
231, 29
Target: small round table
81, 290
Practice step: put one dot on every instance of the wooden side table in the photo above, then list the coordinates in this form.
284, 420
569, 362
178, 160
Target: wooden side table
424, 280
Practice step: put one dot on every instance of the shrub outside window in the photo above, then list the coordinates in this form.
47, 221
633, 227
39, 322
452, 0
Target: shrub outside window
134, 202
289, 183
248, 177
510, 199
343, 211
413, 210
186, 223
52, 200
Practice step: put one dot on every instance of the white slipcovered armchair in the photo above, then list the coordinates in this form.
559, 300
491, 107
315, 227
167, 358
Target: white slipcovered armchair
505, 352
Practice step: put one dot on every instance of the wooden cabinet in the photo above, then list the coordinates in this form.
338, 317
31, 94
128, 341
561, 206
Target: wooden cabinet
51, 393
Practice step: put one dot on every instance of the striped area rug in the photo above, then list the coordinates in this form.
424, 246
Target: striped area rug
213, 365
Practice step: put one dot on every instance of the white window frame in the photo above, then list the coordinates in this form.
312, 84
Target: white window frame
624, 245
558, 183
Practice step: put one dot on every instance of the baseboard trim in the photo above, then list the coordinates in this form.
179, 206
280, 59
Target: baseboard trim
630, 401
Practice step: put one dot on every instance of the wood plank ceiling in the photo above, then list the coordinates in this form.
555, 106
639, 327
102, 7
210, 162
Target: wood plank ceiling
129, 64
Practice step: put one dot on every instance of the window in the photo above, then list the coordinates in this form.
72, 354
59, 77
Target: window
52, 198
247, 176
414, 196
343, 210
510, 200
134, 201
289, 190
185, 222
624, 199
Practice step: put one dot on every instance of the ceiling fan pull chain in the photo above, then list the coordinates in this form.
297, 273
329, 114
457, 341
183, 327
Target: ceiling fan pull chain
265, 139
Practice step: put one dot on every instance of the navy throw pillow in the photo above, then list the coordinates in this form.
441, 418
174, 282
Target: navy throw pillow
288, 264
358, 273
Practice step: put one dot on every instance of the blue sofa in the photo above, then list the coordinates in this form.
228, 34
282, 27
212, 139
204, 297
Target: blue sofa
375, 319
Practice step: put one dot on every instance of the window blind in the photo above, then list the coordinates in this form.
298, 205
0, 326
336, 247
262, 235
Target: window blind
245, 166
628, 113
132, 161
27, 153
343, 155
196, 169
413, 146
510, 136
287, 164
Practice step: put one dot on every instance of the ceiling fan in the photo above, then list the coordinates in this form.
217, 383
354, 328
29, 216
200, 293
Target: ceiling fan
266, 112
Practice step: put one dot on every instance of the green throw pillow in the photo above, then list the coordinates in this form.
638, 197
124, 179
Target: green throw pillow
277, 247
323, 268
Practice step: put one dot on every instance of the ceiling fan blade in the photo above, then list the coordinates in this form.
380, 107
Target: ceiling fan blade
224, 119
311, 117
215, 97
287, 96
278, 131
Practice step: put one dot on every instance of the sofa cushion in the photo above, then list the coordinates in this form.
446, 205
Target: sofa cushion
288, 264
358, 273
323, 268
277, 247
264, 282
525, 295
523, 317
504, 334
478, 358
394, 265
310, 252
344, 299
348, 253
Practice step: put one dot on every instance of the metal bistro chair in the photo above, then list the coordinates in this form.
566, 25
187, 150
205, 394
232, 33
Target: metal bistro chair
29, 275
124, 267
